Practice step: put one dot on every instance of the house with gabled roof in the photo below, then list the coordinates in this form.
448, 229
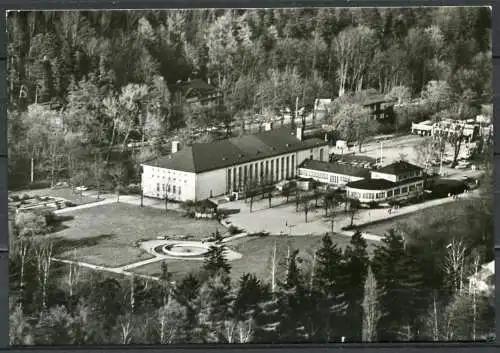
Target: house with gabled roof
205, 170
195, 91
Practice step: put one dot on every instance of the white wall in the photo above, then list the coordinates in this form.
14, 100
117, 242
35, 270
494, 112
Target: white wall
154, 176
378, 175
214, 181
148, 181
301, 156
364, 195
327, 177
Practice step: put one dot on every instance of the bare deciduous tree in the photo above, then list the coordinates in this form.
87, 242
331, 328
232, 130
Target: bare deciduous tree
126, 330
371, 308
454, 264
273, 269
475, 265
168, 322
44, 257
427, 150
73, 276
352, 46
245, 331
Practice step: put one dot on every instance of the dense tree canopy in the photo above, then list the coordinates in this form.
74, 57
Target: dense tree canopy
109, 74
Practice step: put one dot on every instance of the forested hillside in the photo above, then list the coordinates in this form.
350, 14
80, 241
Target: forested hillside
106, 75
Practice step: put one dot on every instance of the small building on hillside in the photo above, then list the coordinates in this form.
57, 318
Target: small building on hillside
321, 106
195, 91
205, 170
336, 174
394, 182
381, 108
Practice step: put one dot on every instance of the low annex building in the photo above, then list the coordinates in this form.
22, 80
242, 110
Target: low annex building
205, 170
336, 174
469, 130
397, 181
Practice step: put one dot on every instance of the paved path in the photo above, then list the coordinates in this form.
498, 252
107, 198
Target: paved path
149, 202
128, 199
119, 271
141, 263
105, 201
282, 219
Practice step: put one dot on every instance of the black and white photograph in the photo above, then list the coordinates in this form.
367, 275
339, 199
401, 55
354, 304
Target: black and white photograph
245, 176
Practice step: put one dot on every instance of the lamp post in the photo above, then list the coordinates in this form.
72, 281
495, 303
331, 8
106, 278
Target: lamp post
140, 185
381, 151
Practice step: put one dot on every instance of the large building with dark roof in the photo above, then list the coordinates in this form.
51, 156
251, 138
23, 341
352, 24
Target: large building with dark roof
205, 170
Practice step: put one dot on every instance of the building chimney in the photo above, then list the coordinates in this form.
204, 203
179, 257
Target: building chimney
176, 146
300, 133
268, 126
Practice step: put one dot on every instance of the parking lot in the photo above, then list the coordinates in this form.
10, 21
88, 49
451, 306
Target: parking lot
394, 148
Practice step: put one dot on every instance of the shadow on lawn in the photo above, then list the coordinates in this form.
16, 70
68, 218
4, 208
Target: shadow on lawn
56, 222
62, 245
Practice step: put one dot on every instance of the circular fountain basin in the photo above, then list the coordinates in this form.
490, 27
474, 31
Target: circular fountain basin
184, 249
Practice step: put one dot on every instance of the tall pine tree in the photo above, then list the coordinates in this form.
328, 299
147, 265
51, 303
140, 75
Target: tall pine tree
355, 271
292, 303
399, 278
215, 259
328, 284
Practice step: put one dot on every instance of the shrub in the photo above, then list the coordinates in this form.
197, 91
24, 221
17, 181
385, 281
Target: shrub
259, 234
373, 204
134, 189
38, 185
31, 224
234, 230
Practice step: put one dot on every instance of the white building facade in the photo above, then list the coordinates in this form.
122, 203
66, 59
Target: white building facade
395, 182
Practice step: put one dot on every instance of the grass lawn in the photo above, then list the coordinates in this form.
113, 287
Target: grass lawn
257, 256
424, 216
105, 235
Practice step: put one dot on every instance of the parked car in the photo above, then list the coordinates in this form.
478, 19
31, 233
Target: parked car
284, 184
81, 188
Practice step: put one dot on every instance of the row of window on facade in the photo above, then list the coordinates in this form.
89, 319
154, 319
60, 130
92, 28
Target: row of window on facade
163, 172
409, 175
334, 179
377, 195
174, 189
268, 170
